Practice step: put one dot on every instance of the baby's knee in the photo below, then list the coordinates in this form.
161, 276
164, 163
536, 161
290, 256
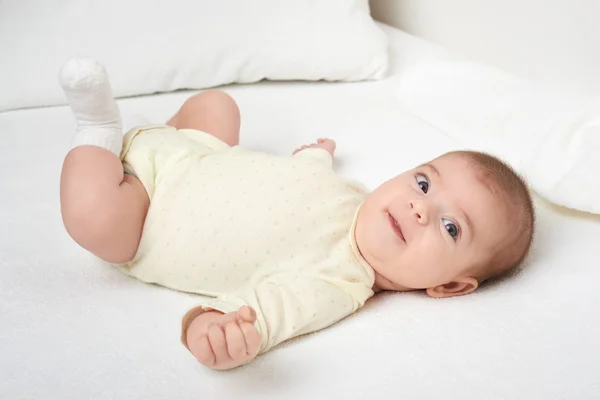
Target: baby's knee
211, 99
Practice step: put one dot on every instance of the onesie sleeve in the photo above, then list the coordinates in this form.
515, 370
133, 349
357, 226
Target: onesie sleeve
286, 306
317, 154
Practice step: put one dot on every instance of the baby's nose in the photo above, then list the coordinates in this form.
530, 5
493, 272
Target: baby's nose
420, 211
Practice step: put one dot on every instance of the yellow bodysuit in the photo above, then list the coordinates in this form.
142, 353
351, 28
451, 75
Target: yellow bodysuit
248, 228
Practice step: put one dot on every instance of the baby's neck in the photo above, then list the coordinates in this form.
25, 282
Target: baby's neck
381, 283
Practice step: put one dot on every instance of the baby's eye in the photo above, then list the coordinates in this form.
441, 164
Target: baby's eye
423, 183
451, 227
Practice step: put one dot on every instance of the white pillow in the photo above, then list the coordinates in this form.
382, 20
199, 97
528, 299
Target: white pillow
160, 46
551, 138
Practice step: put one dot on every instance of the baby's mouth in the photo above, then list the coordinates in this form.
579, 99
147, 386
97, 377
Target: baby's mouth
396, 227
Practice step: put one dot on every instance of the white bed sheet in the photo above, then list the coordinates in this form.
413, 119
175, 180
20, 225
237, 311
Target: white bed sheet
72, 329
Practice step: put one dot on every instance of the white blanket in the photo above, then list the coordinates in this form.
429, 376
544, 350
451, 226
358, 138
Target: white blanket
552, 138
71, 329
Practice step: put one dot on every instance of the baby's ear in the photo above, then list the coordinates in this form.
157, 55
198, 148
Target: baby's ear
458, 287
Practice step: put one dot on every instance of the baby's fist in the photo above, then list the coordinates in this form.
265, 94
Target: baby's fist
225, 341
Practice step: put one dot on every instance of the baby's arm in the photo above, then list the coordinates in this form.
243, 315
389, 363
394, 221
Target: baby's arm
222, 341
287, 305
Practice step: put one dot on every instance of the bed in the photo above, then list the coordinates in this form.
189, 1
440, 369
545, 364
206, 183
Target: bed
73, 329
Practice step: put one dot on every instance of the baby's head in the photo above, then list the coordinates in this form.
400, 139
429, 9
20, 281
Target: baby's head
447, 225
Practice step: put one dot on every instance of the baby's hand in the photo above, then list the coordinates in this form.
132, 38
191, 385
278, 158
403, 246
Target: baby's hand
227, 341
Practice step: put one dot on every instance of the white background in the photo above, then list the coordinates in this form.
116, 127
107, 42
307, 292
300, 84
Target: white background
556, 42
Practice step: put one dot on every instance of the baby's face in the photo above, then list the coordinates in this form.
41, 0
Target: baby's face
430, 226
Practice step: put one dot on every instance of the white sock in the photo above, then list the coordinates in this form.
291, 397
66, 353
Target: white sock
89, 94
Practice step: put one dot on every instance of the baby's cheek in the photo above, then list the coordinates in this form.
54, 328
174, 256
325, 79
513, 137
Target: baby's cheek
428, 265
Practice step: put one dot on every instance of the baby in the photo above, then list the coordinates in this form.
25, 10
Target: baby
282, 246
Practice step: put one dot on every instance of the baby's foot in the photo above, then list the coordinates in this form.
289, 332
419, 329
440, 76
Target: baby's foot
322, 143
88, 91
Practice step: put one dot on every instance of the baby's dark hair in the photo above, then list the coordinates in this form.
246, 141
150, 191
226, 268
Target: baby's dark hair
504, 181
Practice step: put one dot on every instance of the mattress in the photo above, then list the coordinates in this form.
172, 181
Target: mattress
71, 328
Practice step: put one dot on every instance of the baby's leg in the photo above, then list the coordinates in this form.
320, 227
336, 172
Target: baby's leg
213, 112
103, 210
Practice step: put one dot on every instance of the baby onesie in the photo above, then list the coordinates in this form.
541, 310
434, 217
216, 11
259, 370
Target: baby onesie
248, 228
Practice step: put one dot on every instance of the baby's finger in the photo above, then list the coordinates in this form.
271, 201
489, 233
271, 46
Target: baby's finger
253, 339
247, 314
227, 318
236, 344
216, 337
203, 352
